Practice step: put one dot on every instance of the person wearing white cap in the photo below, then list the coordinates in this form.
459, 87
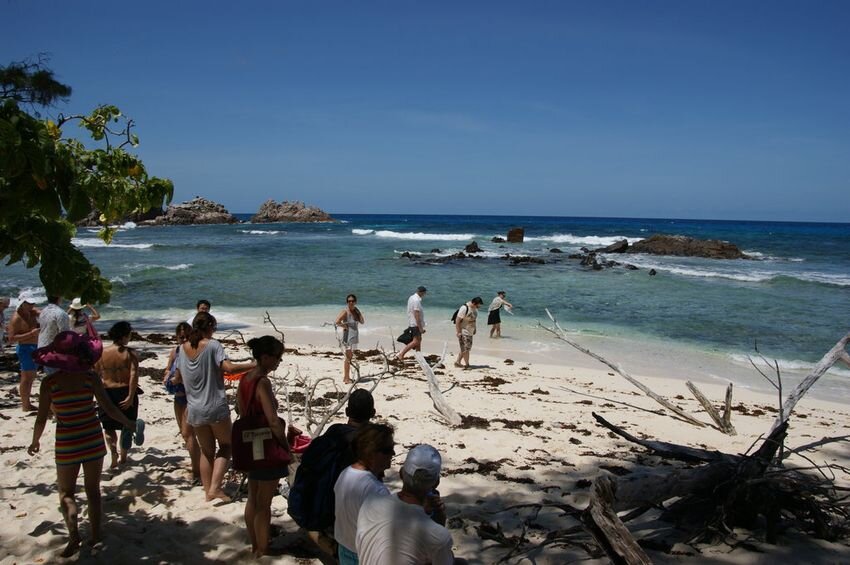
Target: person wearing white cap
23, 331
79, 319
408, 529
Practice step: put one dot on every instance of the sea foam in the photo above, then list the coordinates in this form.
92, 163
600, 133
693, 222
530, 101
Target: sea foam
789, 365
583, 239
418, 236
79, 242
261, 232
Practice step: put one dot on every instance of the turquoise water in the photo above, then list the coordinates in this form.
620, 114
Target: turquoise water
794, 299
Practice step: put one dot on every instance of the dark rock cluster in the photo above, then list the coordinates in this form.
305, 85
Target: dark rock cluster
271, 211
195, 211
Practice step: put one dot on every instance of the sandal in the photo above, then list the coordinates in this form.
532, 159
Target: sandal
139, 436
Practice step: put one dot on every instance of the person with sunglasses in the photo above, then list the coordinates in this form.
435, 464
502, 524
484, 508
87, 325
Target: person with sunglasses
374, 448
349, 320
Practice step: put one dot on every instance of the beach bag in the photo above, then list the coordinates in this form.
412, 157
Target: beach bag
406, 337
311, 498
254, 446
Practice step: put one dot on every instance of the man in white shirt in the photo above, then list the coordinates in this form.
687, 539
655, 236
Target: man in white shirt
359, 481
408, 529
415, 321
465, 327
52, 321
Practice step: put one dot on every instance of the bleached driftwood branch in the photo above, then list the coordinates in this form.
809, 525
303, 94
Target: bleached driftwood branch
451, 416
838, 352
724, 423
267, 319
317, 424
559, 333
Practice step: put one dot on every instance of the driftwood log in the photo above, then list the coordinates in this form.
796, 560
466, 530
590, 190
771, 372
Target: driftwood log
724, 422
725, 491
560, 334
440, 403
709, 493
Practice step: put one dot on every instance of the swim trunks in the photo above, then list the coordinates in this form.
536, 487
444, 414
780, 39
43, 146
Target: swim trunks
25, 351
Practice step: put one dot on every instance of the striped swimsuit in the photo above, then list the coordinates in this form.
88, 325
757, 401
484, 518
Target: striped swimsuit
79, 437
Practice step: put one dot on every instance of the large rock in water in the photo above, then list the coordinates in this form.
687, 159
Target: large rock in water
687, 246
196, 211
516, 235
616, 247
271, 211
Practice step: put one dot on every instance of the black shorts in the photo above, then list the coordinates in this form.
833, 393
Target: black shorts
269, 474
116, 395
494, 317
414, 331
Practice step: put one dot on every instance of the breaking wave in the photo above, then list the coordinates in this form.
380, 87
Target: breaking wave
417, 236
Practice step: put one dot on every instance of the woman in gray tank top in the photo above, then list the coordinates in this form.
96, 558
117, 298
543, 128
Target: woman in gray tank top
349, 320
201, 365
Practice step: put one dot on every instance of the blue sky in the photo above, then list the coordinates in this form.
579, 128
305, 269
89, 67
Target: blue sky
697, 109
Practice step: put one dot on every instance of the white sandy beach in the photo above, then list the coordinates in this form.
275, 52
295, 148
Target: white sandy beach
537, 440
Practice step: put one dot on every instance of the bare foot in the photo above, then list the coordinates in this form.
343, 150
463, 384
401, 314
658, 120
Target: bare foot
114, 464
123, 458
30, 408
348, 382
220, 494
458, 365
72, 547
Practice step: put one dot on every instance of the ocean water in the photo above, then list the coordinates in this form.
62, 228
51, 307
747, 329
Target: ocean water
793, 300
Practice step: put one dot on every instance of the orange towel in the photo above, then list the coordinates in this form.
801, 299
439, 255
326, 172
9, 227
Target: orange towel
232, 377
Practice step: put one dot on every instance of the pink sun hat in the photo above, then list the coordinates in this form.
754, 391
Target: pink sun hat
70, 352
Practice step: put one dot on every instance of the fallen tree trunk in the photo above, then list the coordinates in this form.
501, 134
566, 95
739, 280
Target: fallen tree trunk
605, 526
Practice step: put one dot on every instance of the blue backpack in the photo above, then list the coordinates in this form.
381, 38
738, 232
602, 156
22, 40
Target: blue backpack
311, 498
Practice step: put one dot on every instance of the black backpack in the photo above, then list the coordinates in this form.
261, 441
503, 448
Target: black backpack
311, 498
454, 316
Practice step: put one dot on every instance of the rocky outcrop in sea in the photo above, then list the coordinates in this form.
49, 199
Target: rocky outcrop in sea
271, 211
195, 211
680, 245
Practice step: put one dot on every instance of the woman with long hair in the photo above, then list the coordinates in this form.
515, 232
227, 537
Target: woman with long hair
349, 320
79, 438
174, 385
255, 395
201, 363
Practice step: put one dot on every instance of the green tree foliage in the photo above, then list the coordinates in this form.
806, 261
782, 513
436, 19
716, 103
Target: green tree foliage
48, 182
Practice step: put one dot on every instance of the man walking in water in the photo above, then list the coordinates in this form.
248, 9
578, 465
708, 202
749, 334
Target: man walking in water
415, 321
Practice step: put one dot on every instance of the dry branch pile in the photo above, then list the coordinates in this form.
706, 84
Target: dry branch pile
707, 493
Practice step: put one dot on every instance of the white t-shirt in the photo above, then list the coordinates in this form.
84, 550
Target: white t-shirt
352, 487
467, 316
392, 531
53, 321
414, 303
